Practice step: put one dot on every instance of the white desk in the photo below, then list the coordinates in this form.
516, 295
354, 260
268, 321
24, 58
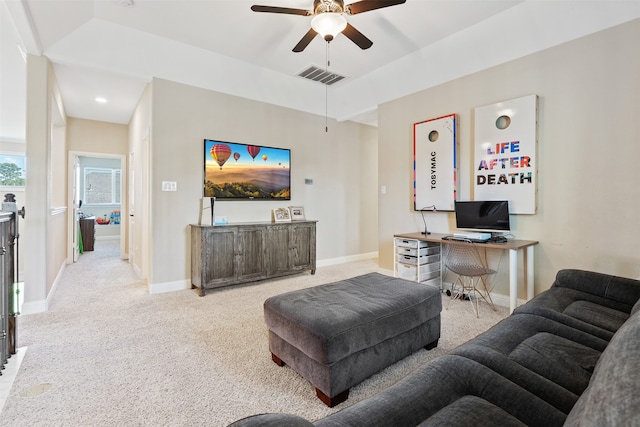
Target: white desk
513, 246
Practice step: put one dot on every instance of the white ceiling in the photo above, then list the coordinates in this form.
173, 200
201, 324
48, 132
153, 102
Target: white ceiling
102, 48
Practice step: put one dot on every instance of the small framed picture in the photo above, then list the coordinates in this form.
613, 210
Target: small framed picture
281, 215
297, 213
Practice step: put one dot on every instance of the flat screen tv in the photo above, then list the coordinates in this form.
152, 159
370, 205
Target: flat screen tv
234, 171
488, 215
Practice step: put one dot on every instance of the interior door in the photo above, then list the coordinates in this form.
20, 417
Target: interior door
75, 189
132, 209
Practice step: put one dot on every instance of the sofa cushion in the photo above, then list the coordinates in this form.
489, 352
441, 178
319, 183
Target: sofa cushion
597, 315
613, 396
471, 410
521, 348
446, 382
580, 310
543, 387
562, 361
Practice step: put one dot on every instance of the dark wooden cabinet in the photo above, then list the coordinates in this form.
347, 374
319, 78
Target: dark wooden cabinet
88, 232
239, 253
302, 246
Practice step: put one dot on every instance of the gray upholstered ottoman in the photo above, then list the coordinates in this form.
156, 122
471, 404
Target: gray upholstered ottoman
337, 335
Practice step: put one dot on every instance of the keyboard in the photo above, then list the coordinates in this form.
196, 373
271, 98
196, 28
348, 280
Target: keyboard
463, 239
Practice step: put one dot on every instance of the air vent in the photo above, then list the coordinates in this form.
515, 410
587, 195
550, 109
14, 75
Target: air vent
320, 75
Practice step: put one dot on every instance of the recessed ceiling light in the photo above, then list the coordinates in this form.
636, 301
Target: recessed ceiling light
101, 100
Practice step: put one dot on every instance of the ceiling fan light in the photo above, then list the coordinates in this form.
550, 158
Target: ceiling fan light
328, 24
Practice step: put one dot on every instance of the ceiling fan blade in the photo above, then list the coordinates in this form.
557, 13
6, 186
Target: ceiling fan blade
357, 37
286, 10
367, 5
304, 42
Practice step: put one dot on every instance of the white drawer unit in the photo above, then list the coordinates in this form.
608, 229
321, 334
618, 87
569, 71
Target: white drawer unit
417, 260
429, 250
410, 243
422, 272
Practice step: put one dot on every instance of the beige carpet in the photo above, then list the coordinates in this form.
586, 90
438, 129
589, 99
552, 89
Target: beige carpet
107, 353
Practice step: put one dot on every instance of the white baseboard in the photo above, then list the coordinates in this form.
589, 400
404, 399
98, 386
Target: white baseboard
342, 260
498, 299
56, 281
385, 271
503, 300
33, 307
178, 285
41, 306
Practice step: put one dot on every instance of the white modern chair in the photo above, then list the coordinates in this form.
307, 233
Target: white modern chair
465, 260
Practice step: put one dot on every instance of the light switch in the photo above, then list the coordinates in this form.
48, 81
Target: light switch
169, 186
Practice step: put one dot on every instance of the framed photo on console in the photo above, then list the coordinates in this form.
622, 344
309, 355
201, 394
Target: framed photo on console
281, 215
297, 213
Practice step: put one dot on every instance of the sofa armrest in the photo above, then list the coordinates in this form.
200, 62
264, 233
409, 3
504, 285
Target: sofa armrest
616, 288
613, 396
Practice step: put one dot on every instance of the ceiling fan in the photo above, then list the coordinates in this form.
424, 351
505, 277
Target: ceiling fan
329, 20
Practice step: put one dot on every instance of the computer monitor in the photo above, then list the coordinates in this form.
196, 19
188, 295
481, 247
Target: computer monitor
483, 215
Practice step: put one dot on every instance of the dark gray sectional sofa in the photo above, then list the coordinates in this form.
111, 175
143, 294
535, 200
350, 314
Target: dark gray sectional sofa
570, 356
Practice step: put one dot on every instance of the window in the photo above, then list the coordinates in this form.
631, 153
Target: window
101, 186
12, 170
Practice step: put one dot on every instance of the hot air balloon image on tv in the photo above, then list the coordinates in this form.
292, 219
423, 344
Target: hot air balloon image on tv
220, 153
245, 178
253, 151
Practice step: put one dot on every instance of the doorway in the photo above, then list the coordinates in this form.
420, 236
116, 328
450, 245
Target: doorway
97, 195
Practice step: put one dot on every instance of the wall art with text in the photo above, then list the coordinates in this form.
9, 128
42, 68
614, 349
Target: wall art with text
435, 163
505, 153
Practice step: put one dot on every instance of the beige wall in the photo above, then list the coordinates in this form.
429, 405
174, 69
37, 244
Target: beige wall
92, 136
589, 191
44, 250
341, 162
58, 179
588, 132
